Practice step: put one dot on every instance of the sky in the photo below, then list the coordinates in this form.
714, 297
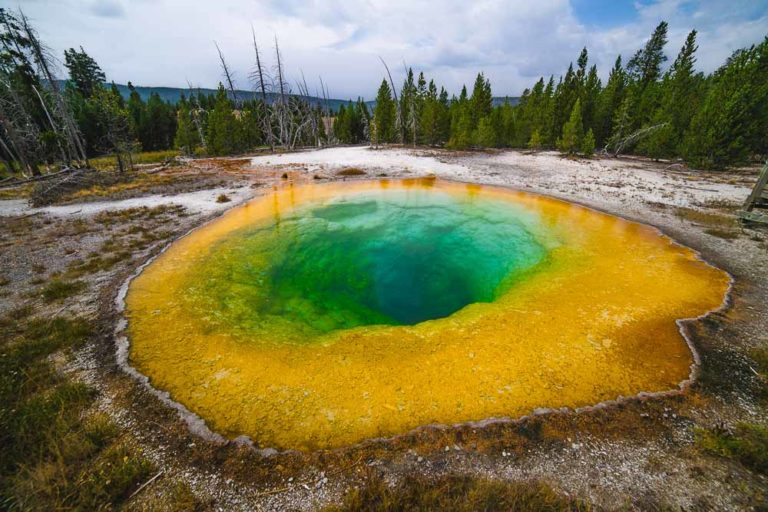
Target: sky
513, 42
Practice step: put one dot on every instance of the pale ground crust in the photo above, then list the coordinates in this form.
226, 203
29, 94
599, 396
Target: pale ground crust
588, 454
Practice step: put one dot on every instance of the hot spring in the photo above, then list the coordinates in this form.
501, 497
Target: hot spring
322, 315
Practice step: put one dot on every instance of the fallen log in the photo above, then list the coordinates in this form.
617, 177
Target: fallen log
18, 183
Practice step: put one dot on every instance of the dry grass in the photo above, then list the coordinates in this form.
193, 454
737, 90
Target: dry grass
55, 455
351, 171
725, 234
147, 157
132, 182
19, 192
706, 218
457, 493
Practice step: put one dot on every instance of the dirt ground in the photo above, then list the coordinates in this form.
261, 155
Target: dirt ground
640, 454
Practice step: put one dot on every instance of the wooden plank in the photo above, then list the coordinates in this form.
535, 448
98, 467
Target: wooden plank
753, 216
757, 192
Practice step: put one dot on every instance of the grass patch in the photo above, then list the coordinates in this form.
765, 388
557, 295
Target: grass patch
128, 184
111, 217
53, 456
457, 493
351, 171
748, 444
96, 263
173, 497
146, 157
20, 192
223, 198
725, 234
706, 218
760, 356
58, 289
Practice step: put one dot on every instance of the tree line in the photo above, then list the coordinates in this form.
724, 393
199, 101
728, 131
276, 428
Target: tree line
46, 122
644, 108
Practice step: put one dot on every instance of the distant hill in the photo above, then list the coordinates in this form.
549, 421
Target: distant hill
172, 95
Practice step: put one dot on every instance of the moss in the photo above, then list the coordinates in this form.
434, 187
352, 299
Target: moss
457, 493
59, 289
747, 443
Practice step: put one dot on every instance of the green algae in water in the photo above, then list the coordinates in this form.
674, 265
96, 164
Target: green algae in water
375, 258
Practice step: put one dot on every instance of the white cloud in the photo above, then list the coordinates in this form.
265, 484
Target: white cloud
167, 42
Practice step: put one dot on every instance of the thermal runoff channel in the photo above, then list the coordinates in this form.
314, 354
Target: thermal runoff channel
321, 315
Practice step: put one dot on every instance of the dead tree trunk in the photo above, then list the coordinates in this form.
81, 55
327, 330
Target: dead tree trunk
399, 111
227, 74
76, 149
258, 76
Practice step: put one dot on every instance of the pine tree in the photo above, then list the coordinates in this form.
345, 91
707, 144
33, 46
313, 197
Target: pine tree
534, 144
645, 70
113, 125
486, 135
581, 63
684, 90
408, 109
250, 124
645, 66
507, 125
590, 96
609, 101
222, 136
156, 124
462, 126
384, 115
341, 126
135, 108
83, 71
443, 117
622, 124
733, 120
186, 138
588, 144
481, 100
565, 95
429, 121
573, 131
